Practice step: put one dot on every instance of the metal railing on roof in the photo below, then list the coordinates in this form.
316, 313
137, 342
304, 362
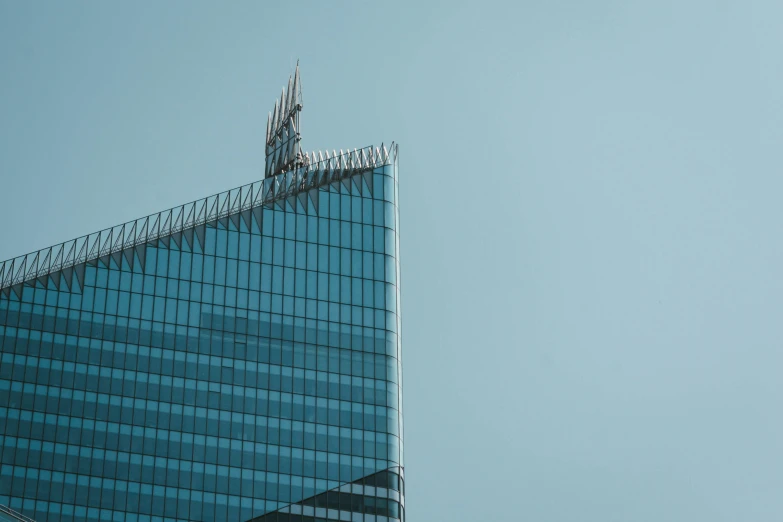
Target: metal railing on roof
314, 173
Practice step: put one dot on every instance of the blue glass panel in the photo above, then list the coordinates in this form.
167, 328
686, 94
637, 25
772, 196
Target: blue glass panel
216, 380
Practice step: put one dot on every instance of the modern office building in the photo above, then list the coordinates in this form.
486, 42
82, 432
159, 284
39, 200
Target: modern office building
232, 359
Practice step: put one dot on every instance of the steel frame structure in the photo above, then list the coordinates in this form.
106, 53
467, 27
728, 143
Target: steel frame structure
49, 265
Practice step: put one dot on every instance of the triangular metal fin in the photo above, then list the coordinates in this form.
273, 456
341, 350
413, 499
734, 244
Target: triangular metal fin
78, 271
303, 201
125, 265
117, 258
187, 235
141, 255
246, 217
68, 278
368, 180
235, 221
258, 213
128, 253
314, 199
201, 231
357, 185
291, 201
55, 278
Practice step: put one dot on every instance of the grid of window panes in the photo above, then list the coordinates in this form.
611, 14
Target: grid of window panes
257, 367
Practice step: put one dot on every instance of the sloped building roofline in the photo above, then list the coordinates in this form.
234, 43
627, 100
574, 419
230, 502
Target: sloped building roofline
66, 260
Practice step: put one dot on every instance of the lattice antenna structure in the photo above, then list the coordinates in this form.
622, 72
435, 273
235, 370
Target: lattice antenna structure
282, 129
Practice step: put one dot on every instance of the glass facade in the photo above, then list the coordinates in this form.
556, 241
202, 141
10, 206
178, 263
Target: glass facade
247, 367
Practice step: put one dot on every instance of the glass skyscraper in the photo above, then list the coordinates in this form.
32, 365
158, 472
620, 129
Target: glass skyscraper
236, 358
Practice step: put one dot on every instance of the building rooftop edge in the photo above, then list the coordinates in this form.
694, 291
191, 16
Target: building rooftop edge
318, 171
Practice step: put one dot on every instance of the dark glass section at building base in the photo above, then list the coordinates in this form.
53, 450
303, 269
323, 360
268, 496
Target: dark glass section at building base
243, 368
9, 515
379, 494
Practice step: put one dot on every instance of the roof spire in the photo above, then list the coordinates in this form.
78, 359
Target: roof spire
297, 87
282, 139
289, 99
275, 120
283, 109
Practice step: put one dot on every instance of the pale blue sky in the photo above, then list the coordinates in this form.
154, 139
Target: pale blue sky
591, 212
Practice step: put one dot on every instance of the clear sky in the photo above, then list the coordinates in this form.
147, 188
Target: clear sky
591, 204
